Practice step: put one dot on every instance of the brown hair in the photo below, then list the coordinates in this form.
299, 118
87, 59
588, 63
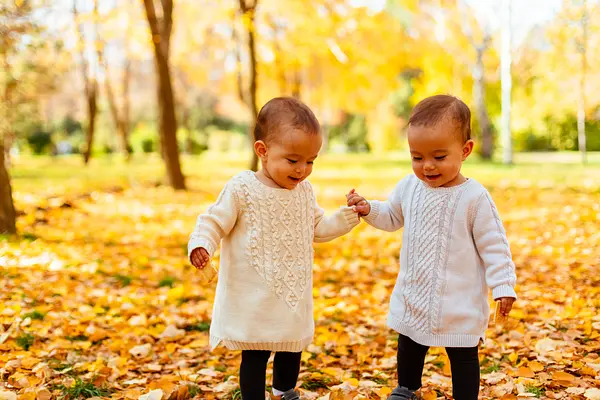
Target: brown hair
284, 114
435, 109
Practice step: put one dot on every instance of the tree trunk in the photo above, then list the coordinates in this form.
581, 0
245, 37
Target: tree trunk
581, 136
126, 111
92, 108
487, 142
252, 101
506, 82
166, 102
90, 83
189, 139
118, 120
7, 209
126, 117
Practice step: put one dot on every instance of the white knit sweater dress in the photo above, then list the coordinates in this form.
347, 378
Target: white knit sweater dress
454, 250
263, 298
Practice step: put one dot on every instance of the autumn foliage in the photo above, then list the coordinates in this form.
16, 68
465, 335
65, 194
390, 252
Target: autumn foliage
98, 299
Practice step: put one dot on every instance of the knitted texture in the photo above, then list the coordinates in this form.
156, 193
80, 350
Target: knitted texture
263, 298
454, 250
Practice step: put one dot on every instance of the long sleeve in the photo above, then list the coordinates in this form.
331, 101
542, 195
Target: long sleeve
333, 226
216, 223
387, 215
493, 248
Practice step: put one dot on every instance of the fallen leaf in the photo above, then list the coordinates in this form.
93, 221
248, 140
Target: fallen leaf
535, 366
140, 351
171, 331
592, 394
525, 372
6, 395
563, 376
156, 394
429, 395
43, 394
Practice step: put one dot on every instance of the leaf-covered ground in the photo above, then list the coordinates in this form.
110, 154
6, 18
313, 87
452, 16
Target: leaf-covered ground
97, 298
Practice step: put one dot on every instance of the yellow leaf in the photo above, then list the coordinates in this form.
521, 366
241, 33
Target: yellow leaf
306, 356
353, 382
335, 372
383, 392
29, 362
513, 357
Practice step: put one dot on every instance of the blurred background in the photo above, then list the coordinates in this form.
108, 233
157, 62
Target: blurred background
80, 76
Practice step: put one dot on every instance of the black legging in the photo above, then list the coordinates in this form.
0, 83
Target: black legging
464, 364
253, 372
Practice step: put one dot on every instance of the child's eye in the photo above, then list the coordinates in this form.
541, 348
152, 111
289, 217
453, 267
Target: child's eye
310, 162
417, 158
440, 157
292, 161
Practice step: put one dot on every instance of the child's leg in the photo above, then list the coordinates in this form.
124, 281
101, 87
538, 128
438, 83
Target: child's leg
286, 367
411, 359
464, 364
253, 374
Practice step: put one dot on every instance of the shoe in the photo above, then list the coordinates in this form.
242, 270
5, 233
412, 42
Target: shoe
290, 395
402, 393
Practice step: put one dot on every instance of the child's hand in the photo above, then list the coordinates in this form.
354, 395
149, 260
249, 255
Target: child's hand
505, 304
358, 203
199, 257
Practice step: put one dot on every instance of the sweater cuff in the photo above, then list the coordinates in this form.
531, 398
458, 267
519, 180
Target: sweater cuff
503, 291
350, 217
196, 242
374, 213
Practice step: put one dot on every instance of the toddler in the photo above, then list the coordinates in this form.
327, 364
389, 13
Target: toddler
454, 249
268, 221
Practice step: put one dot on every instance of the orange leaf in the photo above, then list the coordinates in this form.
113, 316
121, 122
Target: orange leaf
525, 372
535, 366
587, 371
429, 395
43, 394
563, 377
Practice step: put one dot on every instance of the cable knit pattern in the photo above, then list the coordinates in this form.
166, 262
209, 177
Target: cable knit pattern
454, 250
264, 292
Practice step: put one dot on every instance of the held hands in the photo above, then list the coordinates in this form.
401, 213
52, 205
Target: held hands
358, 203
199, 257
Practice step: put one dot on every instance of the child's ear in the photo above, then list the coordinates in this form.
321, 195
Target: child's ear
260, 148
467, 149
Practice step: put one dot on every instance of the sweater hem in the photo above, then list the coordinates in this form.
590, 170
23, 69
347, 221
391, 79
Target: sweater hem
434, 340
295, 346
